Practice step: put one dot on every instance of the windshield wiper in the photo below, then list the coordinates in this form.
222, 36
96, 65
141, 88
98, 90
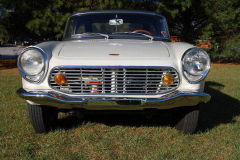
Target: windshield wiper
146, 35
89, 34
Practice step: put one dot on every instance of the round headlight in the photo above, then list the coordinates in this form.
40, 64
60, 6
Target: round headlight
196, 62
32, 61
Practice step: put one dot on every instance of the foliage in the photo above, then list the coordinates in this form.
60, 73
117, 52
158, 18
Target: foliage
190, 20
185, 18
223, 26
3, 34
207, 20
50, 19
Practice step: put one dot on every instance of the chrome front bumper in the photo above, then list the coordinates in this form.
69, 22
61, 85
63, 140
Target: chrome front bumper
176, 99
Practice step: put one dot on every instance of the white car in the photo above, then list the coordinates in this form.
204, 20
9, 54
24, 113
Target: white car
117, 60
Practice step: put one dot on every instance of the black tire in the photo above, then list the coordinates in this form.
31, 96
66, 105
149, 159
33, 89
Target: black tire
185, 119
43, 118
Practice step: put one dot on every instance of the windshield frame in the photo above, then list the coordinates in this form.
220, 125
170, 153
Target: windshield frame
65, 37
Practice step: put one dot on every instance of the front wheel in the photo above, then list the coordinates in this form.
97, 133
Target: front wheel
43, 118
185, 119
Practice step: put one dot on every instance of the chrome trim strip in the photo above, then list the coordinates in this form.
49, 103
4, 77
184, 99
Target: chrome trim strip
119, 35
116, 11
123, 35
44, 69
145, 67
203, 74
169, 101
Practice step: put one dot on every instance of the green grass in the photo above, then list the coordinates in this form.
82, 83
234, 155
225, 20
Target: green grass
125, 136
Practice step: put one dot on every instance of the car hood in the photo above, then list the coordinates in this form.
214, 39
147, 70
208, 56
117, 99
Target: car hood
95, 49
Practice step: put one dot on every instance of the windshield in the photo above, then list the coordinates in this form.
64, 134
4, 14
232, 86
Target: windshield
116, 24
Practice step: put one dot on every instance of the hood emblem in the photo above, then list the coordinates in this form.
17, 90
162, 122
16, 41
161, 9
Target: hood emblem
114, 54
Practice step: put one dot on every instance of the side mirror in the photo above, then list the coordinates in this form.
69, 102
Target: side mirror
114, 22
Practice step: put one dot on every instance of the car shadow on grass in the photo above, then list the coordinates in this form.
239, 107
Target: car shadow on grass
123, 119
221, 109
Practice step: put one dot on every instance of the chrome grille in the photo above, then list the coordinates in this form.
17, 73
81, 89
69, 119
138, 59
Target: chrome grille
113, 80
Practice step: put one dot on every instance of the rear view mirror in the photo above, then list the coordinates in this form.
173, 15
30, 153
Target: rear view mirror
116, 22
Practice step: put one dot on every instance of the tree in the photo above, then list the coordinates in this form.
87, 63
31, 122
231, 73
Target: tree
3, 32
50, 19
17, 15
208, 20
223, 26
190, 20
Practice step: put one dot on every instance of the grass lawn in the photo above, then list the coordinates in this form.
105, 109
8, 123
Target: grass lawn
125, 136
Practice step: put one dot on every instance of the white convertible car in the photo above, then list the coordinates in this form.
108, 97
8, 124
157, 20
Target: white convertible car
114, 60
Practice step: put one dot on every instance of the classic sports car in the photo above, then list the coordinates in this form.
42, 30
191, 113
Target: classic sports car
114, 61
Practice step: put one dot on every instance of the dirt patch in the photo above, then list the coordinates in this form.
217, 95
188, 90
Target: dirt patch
8, 64
9, 71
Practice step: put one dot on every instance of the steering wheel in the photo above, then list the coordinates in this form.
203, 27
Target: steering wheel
144, 31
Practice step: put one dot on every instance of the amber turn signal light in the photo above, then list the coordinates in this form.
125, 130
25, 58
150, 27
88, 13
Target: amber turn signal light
60, 79
168, 80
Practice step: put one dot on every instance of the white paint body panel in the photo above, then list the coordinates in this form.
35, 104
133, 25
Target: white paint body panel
125, 48
131, 53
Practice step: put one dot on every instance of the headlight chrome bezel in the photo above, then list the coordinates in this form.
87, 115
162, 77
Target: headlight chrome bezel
26, 75
202, 75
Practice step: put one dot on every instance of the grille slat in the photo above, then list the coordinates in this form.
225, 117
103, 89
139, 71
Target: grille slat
118, 84
108, 87
112, 80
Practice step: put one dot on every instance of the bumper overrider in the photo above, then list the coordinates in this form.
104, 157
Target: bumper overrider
173, 100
